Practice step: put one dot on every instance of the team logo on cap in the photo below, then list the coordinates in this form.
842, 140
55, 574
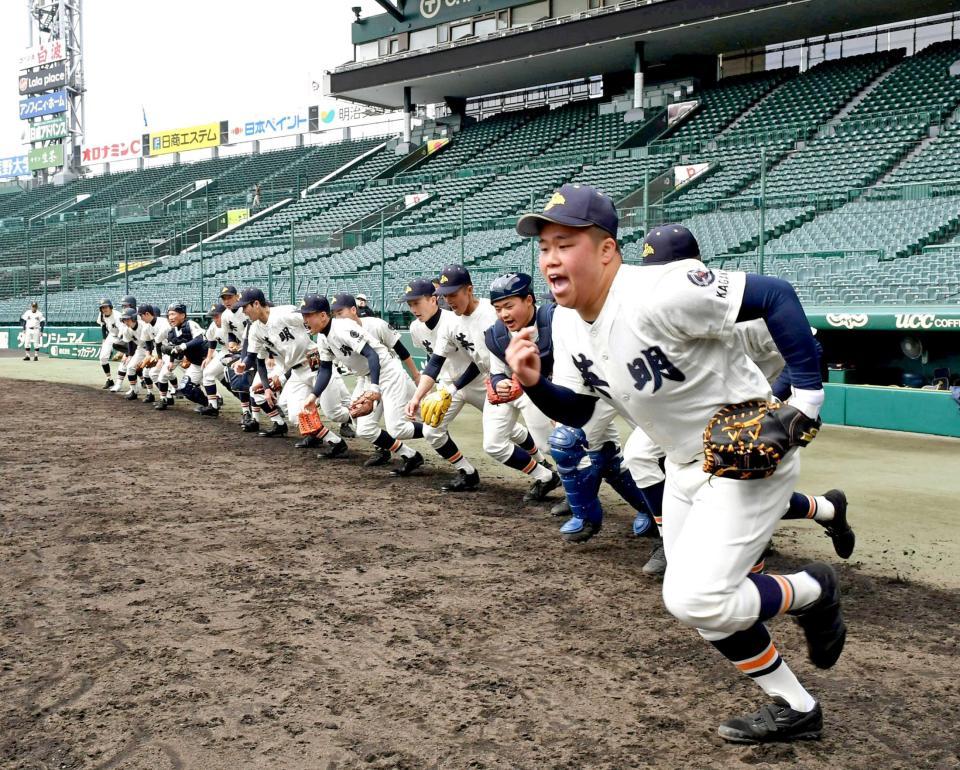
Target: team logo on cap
444, 279
701, 277
213, 307
225, 290
647, 250
555, 200
408, 289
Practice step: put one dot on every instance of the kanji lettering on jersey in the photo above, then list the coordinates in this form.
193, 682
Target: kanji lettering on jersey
590, 378
653, 366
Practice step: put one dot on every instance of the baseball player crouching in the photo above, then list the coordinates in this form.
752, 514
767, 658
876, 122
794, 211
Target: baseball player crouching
32, 322
136, 335
502, 440
216, 361
380, 377
109, 321
185, 344
128, 302
156, 330
279, 332
235, 325
657, 339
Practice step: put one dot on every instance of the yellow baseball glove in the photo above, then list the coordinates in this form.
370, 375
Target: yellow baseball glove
434, 407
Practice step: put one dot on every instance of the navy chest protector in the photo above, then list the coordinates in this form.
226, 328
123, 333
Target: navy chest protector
498, 338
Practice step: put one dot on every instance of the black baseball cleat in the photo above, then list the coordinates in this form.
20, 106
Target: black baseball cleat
561, 509
462, 482
107, 385
333, 451
165, 403
149, 398
35, 358
247, 420
822, 622
774, 723
131, 395
251, 427
274, 431
208, 410
310, 441
408, 465
541, 489
380, 457
346, 430
26, 358
657, 563
838, 528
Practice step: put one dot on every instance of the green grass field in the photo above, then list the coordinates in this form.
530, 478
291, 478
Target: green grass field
902, 487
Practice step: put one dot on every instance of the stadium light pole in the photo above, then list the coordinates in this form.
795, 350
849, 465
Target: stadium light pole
763, 204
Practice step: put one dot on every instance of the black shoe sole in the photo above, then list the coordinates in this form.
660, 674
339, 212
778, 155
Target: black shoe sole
826, 610
744, 739
839, 530
334, 453
455, 486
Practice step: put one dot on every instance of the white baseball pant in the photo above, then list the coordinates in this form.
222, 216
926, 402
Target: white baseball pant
499, 421
396, 389
714, 530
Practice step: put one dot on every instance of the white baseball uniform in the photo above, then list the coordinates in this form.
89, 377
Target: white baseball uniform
112, 324
32, 319
342, 342
661, 353
213, 370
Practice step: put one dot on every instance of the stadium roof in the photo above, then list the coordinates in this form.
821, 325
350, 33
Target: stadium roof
558, 50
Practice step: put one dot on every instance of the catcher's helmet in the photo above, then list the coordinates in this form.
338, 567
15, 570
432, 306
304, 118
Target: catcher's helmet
511, 285
105, 303
177, 307
129, 300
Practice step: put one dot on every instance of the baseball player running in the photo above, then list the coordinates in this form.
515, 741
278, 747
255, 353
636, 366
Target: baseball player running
655, 341
500, 438
279, 332
380, 376
32, 323
136, 335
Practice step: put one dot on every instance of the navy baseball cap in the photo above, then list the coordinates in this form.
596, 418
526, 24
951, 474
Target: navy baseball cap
314, 303
128, 314
216, 309
573, 205
418, 287
343, 300
228, 291
145, 308
453, 278
669, 243
250, 295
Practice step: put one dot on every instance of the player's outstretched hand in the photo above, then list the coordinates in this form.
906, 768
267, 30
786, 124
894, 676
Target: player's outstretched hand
523, 357
412, 410
310, 405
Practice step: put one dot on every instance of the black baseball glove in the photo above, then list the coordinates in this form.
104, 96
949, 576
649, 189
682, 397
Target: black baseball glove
748, 440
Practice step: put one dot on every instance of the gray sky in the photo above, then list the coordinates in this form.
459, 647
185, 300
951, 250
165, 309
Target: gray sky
196, 62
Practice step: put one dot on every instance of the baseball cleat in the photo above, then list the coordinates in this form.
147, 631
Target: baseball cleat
346, 430
560, 509
251, 427
408, 465
462, 482
131, 395
541, 489
773, 723
333, 451
26, 358
35, 358
107, 385
149, 398
165, 403
822, 621
380, 457
274, 431
657, 563
838, 528
208, 410
310, 441
247, 420
578, 530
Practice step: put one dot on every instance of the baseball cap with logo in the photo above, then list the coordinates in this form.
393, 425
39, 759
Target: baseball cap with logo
669, 243
343, 300
573, 205
216, 309
250, 295
418, 287
314, 303
453, 278
228, 291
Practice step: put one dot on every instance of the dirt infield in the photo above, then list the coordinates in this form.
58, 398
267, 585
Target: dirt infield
179, 594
